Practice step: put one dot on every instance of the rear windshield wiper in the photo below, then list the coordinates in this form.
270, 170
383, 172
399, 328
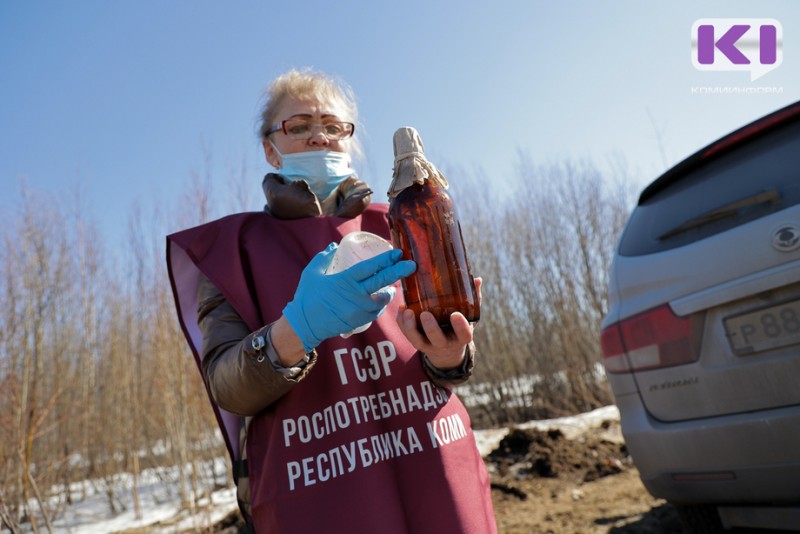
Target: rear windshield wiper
769, 196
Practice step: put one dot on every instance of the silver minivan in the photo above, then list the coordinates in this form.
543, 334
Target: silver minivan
701, 343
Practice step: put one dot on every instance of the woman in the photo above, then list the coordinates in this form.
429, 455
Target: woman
327, 433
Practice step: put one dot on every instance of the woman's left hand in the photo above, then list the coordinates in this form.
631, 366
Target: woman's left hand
444, 350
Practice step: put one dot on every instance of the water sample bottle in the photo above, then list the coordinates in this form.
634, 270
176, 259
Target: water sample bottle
424, 225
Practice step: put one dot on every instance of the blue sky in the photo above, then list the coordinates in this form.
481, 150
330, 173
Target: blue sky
128, 99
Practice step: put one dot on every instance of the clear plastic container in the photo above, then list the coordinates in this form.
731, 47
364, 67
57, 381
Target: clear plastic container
356, 247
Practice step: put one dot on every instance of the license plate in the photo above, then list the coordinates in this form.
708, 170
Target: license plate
764, 329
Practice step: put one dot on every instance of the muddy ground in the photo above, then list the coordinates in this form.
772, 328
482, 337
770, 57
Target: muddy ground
544, 482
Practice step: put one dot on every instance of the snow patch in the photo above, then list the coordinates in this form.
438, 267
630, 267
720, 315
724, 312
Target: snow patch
571, 426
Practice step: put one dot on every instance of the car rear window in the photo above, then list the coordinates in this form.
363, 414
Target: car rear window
751, 181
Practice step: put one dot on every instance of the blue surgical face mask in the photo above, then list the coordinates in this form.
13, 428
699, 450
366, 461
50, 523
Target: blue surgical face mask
323, 170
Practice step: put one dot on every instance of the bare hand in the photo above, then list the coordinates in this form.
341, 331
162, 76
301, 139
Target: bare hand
444, 350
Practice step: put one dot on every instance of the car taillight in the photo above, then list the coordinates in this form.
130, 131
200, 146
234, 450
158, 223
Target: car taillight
651, 340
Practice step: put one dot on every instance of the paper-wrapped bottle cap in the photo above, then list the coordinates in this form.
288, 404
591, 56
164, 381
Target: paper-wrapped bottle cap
410, 164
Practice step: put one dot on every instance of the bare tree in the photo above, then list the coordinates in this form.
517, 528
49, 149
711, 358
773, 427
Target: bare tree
35, 273
544, 252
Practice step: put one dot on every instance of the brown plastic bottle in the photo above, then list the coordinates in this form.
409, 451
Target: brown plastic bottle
425, 226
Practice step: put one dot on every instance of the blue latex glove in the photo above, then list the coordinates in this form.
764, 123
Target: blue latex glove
328, 305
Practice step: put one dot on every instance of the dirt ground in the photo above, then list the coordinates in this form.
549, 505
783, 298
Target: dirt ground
544, 482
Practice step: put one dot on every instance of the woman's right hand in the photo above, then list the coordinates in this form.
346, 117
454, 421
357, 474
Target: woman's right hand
328, 305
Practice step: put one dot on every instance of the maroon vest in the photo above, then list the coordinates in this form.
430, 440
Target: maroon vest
365, 443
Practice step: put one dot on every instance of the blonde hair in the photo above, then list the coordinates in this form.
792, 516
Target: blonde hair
307, 84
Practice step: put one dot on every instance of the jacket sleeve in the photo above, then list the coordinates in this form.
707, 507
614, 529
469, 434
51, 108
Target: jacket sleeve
242, 379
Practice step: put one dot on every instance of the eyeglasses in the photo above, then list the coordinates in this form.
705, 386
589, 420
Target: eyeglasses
304, 129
